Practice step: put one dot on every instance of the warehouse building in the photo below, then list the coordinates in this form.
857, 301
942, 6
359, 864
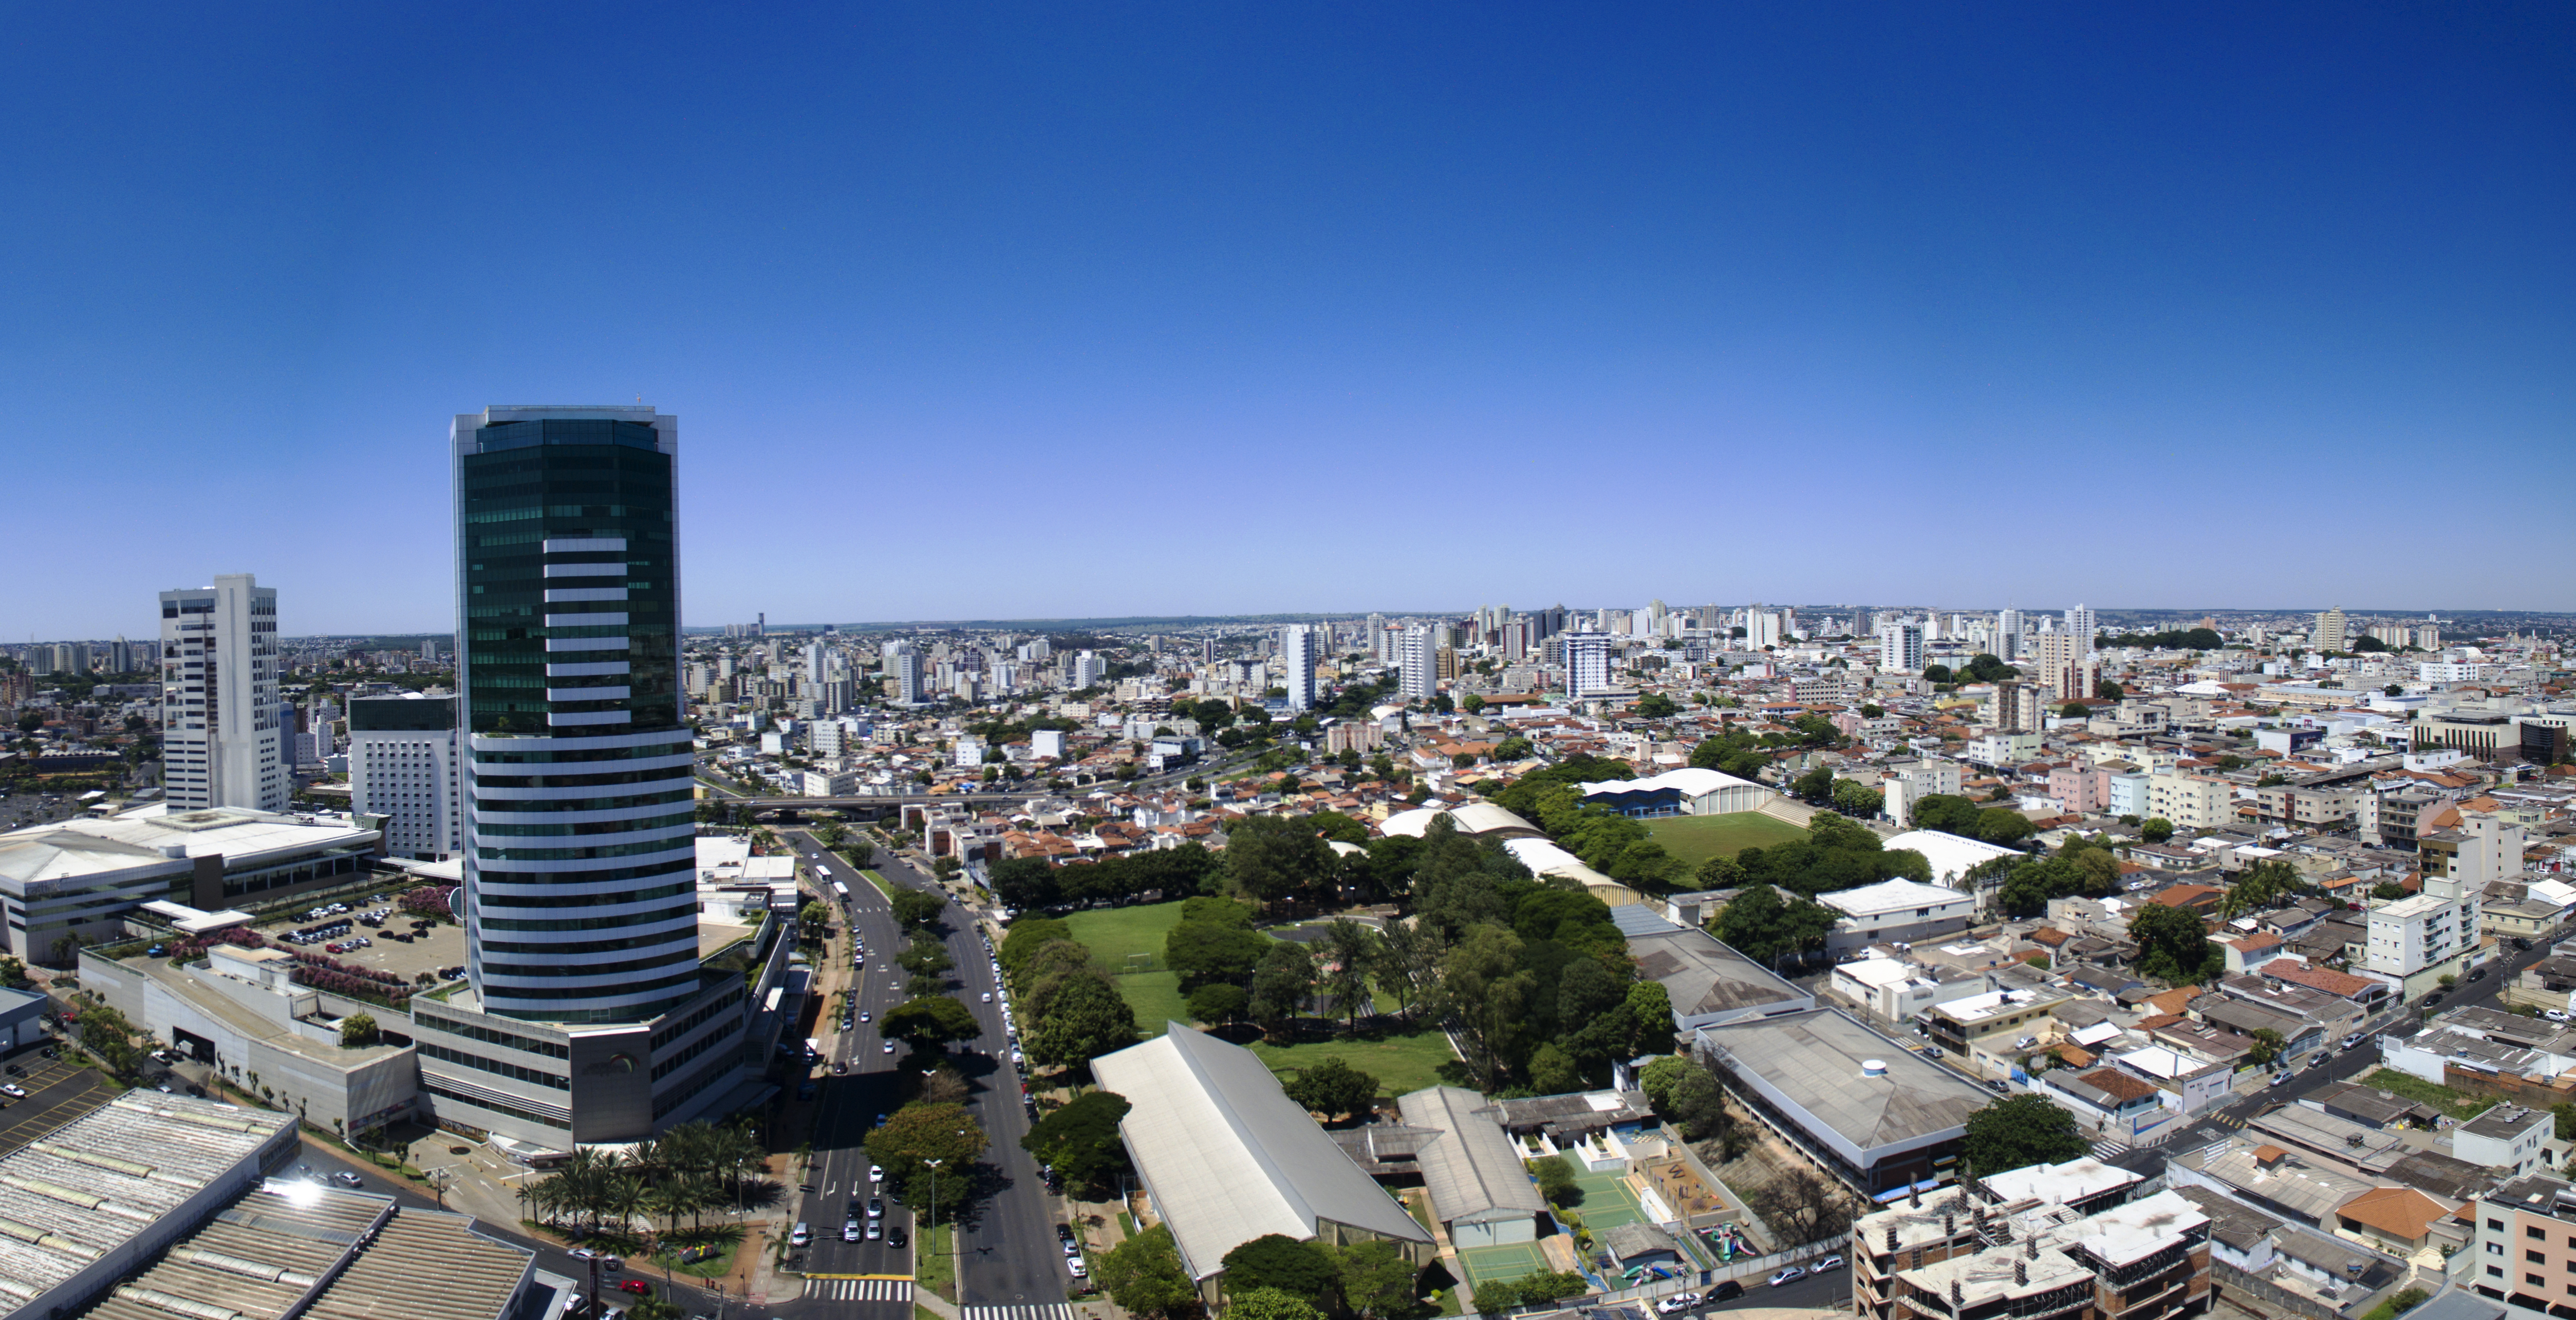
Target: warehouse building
1877, 1115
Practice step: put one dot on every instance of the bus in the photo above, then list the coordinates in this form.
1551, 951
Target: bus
841, 892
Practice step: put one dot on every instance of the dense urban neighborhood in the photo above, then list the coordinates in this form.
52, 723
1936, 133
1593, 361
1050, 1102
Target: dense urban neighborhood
1906, 961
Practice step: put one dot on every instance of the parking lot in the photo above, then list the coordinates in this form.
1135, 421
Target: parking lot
436, 949
58, 1091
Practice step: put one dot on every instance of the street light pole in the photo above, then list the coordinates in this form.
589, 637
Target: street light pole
933, 1166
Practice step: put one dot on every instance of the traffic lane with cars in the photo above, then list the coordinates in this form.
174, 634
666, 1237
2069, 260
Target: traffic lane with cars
837, 1188
1010, 1252
1819, 1290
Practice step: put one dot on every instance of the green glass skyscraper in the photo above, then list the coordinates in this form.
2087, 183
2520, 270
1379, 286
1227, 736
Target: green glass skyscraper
580, 903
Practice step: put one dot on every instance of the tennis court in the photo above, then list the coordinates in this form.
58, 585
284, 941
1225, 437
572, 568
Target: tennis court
1511, 1260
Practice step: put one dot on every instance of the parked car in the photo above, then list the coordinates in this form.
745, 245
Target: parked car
2479, 975
1725, 1292
635, 1286
348, 1179
800, 1235
1788, 1274
1828, 1263
1076, 1267
2554, 1014
1678, 1303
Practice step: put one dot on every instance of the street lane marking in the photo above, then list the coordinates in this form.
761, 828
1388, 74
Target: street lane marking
1058, 1311
859, 1288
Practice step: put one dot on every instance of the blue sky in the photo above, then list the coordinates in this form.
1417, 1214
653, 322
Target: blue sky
999, 311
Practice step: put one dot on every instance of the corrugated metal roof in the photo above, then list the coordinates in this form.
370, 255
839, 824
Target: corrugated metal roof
1471, 1170
1228, 1156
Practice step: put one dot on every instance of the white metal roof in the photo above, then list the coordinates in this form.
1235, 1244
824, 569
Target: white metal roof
1950, 855
1228, 1157
1892, 896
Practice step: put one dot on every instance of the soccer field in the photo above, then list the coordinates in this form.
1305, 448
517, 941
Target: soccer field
1695, 839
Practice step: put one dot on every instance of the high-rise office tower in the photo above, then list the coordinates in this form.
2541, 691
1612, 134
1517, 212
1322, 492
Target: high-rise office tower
221, 745
580, 870
2079, 621
1297, 655
403, 766
1587, 664
1421, 661
2008, 635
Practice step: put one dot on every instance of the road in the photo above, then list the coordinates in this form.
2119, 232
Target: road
1011, 1266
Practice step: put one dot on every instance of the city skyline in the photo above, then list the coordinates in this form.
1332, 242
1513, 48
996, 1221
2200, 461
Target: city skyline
1489, 296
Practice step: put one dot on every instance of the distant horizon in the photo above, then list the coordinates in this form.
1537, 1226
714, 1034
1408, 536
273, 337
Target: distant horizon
1113, 623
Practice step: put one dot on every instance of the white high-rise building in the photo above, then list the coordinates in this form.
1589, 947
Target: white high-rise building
2079, 621
1088, 669
403, 766
1587, 664
220, 741
903, 665
1297, 657
2007, 642
1421, 663
1900, 647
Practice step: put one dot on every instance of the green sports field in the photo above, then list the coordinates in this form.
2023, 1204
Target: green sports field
1128, 942
1695, 839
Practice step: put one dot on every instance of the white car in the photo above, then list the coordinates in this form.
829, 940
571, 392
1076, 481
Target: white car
1828, 1263
2554, 1014
801, 1235
889, 1047
1078, 1269
988, 996
1677, 1303
13, 1091
876, 1174
1789, 1275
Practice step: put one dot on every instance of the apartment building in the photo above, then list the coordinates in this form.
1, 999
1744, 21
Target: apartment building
2524, 1246
2191, 802
2412, 934
221, 741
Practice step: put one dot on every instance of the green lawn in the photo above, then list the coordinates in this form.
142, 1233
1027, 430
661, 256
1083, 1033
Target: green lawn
1112, 934
883, 886
1695, 839
1115, 937
1400, 1063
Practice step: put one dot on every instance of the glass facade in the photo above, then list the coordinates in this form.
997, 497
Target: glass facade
578, 763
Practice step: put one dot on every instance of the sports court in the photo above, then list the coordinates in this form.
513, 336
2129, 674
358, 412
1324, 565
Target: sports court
1511, 1260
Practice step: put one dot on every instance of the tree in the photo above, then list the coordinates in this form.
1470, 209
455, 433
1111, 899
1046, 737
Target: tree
1814, 786
1946, 812
358, 1029
1529, 1290
1143, 1275
107, 1034
930, 1022
1334, 1088
1486, 986
1219, 1003
815, 918
2156, 829
1350, 951
1275, 1260
1552, 1071
925, 956
2266, 1048
1936, 673
2172, 943
2021, 1131
918, 1133
916, 910
1085, 1019
2004, 826
2388, 891
1472, 704
1852, 797
1274, 857
1206, 953
1656, 1079
1269, 1304
2075, 710
1556, 1181
1804, 1206
12, 971
1759, 925
2108, 690
1281, 984
1080, 1139
1656, 706
1376, 1280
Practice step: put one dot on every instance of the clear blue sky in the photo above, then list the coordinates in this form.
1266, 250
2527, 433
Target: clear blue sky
990, 311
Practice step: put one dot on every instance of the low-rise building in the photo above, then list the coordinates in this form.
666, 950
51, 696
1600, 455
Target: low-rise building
1990, 1032
1896, 911
1864, 1107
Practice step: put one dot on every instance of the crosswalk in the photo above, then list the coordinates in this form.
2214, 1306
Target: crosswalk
2107, 1149
1058, 1311
854, 1288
